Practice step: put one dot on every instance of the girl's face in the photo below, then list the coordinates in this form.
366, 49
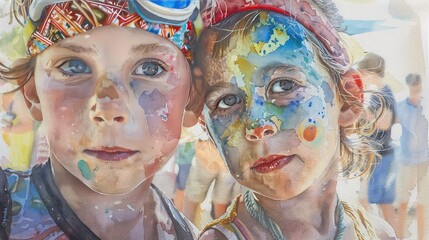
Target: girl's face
272, 109
112, 101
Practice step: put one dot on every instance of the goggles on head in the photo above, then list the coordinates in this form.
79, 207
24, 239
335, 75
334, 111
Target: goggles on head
174, 12
53, 20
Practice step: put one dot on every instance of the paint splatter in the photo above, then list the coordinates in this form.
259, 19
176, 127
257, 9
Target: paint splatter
85, 170
329, 95
310, 133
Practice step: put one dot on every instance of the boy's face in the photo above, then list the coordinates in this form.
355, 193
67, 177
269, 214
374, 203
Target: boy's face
112, 102
415, 90
272, 109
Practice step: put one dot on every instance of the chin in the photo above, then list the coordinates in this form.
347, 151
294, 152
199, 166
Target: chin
110, 191
281, 193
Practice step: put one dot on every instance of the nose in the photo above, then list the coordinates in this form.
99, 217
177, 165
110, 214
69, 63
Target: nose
109, 108
259, 130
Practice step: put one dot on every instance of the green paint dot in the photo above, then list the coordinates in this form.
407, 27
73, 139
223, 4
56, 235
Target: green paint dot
84, 169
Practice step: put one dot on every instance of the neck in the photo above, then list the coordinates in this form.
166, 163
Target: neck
313, 209
415, 100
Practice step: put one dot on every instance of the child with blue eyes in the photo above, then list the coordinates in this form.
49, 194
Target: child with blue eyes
284, 108
110, 81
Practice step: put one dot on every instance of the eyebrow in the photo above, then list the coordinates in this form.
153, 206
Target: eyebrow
78, 49
146, 48
293, 71
285, 68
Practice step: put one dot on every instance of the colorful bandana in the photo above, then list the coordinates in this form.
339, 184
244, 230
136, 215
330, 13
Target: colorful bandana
69, 18
303, 12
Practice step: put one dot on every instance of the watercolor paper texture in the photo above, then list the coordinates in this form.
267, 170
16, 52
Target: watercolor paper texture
271, 106
109, 82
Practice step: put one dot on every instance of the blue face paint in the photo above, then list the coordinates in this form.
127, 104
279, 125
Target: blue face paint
85, 170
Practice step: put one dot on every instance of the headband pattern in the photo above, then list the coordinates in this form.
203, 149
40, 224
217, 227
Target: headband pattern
302, 11
70, 18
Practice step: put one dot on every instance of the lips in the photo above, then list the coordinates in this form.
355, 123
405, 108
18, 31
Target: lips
271, 163
110, 153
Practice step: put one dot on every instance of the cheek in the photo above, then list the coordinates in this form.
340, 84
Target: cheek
314, 122
153, 167
164, 112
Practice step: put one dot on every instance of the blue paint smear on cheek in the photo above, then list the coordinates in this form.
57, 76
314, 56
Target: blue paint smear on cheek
315, 110
329, 95
216, 125
291, 115
151, 102
84, 170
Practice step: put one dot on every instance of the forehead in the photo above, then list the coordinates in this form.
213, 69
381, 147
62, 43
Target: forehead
271, 39
117, 39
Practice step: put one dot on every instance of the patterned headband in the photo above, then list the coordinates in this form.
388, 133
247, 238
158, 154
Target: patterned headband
303, 12
69, 18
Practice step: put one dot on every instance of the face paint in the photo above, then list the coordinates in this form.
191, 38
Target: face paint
85, 170
274, 100
310, 133
128, 105
154, 105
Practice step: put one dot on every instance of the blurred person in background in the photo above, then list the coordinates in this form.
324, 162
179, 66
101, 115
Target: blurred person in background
381, 183
412, 155
17, 132
208, 167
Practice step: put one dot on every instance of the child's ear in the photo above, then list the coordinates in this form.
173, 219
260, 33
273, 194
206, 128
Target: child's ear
32, 100
196, 97
190, 119
351, 92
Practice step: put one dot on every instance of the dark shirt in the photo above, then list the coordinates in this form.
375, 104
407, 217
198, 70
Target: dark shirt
31, 206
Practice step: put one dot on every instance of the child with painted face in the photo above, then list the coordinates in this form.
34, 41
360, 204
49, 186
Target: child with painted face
284, 109
110, 80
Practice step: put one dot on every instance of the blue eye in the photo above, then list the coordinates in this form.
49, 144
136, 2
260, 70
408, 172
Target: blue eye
283, 86
74, 66
150, 69
228, 101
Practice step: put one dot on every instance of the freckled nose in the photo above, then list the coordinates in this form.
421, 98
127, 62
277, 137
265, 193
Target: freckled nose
258, 131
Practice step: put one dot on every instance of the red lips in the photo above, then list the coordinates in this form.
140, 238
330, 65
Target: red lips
110, 153
271, 163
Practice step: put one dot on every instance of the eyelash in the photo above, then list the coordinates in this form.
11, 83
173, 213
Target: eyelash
69, 75
270, 86
224, 111
152, 60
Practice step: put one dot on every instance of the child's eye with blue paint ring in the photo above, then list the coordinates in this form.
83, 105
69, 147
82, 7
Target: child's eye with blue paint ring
283, 85
228, 101
74, 66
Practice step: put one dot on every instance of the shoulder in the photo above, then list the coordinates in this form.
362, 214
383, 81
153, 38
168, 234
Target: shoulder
222, 228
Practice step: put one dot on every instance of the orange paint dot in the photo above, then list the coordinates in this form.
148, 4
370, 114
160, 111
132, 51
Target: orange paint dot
310, 133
